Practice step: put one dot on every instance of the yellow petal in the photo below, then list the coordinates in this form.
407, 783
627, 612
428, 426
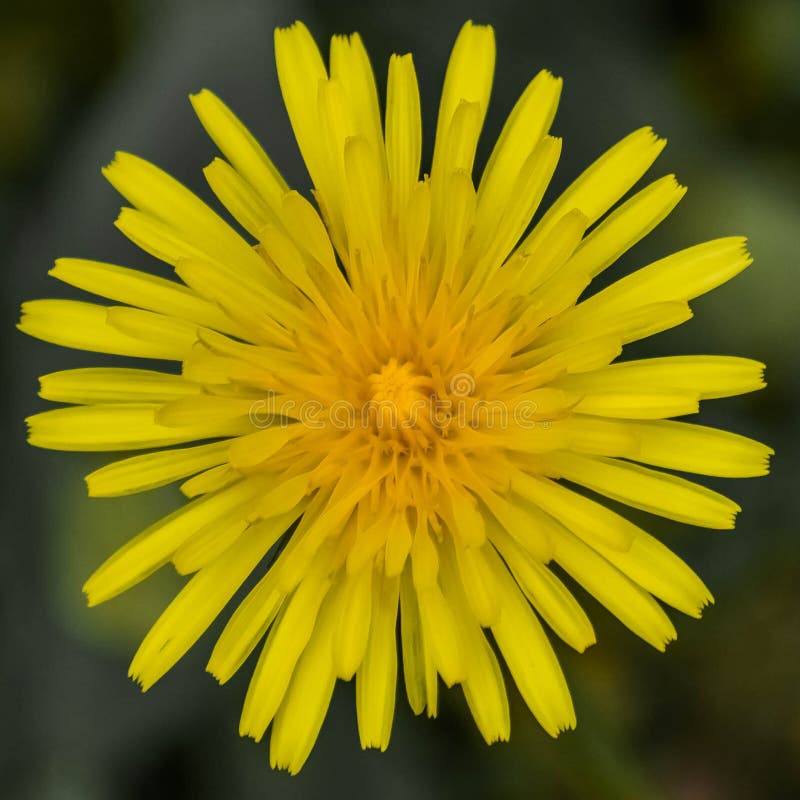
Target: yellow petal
118, 426
113, 385
679, 277
697, 448
255, 448
418, 670
707, 376
632, 221
498, 229
436, 618
287, 639
469, 76
528, 122
238, 196
353, 624
175, 336
475, 574
154, 192
136, 288
633, 607
209, 543
376, 680
154, 546
484, 688
585, 518
149, 471
548, 595
306, 702
300, 69
530, 657
85, 326
638, 405
658, 570
156, 237
197, 605
604, 182
211, 480
206, 409
246, 627
647, 489
350, 66
240, 147
403, 130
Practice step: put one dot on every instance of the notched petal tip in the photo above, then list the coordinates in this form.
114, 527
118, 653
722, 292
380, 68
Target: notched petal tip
117, 160
200, 95
292, 29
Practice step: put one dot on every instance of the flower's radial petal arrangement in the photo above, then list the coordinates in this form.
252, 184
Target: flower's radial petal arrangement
389, 402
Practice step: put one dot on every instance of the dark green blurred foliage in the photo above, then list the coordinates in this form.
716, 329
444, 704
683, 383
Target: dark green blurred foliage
716, 717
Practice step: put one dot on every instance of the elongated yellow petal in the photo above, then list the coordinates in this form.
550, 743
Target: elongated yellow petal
436, 619
255, 448
628, 325
554, 602
352, 627
202, 410
403, 130
653, 491
604, 182
239, 146
113, 385
350, 66
153, 547
679, 277
470, 72
244, 630
498, 229
175, 336
638, 405
474, 572
238, 196
376, 680
706, 376
585, 518
154, 192
199, 603
306, 702
287, 639
697, 448
118, 426
137, 288
484, 688
418, 671
85, 326
457, 154
210, 480
658, 570
300, 69
149, 471
530, 658
528, 122
308, 232
632, 221
156, 237
209, 543
634, 607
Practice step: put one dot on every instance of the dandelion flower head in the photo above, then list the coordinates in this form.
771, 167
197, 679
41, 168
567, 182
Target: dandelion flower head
395, 401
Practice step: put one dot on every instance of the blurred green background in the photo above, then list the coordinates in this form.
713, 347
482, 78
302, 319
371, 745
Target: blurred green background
715, 718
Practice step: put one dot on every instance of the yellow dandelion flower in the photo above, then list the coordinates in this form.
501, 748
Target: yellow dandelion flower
396, 388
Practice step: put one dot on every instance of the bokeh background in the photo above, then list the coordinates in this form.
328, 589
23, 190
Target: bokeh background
715, 718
